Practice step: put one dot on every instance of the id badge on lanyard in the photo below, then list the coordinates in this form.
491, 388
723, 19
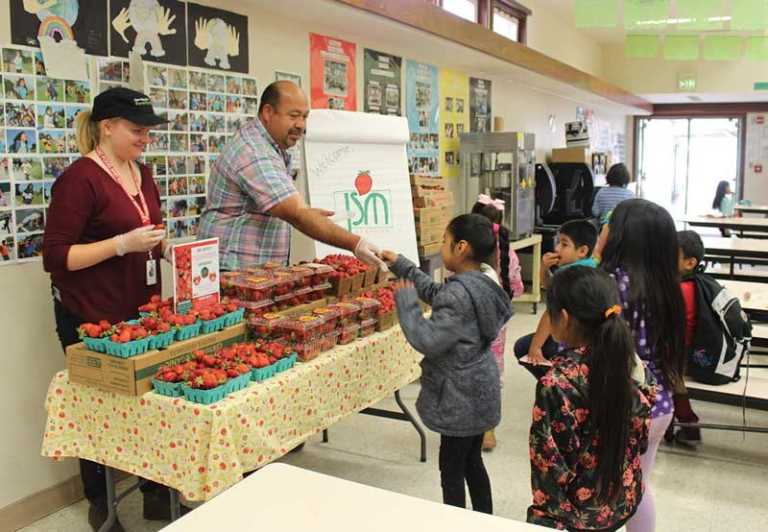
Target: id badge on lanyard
151, 270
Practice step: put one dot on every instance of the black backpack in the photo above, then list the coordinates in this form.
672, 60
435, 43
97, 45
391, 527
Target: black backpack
723, 333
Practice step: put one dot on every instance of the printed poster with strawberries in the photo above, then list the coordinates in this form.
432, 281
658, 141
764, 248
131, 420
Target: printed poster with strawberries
357, 166
332, 73
196, 275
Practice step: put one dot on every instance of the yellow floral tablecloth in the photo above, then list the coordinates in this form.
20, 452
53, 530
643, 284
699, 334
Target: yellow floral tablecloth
202, 450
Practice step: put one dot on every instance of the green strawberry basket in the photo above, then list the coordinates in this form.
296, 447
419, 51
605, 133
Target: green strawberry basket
128, 349
205, 397
95, 344
214, 325
262, 374
233, 318
286, 363
162, 340
239, 383
169, 389
185, 332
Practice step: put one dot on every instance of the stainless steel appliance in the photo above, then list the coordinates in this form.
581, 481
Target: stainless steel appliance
501, 165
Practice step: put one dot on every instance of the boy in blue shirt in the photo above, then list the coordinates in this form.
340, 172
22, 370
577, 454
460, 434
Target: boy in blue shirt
576, 240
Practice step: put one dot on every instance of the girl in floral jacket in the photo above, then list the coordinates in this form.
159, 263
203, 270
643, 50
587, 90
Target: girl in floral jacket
592, 412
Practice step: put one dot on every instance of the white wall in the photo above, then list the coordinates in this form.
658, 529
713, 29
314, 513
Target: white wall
279, 40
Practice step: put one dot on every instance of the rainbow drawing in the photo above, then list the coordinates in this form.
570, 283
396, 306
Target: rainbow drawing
56, 28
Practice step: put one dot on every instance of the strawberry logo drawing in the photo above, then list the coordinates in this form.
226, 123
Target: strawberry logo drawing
363, 182
367, 208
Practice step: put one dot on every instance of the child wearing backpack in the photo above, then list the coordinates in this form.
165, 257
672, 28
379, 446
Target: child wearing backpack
718, 332
592, 412
690, 260
641, 253
460, 396
507, 265
576, 240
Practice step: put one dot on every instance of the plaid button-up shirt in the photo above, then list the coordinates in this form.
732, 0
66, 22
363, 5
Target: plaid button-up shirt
250, 177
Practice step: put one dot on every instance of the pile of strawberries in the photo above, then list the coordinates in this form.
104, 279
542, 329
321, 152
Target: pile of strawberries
206, 371
103, 329
207, 311
386, 297
156, 304
345, 266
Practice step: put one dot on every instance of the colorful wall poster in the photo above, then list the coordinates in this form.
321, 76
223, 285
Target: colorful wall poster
454, 119
332, 73
357, 167
217, 39
383, 82
61, 20
155, 28
422, 104
479, 105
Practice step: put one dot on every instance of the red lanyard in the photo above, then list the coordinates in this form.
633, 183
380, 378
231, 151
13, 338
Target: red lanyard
142, 209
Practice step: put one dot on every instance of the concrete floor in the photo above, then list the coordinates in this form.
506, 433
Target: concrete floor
721, 486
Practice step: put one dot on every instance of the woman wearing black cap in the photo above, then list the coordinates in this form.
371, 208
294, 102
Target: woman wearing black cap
103, 243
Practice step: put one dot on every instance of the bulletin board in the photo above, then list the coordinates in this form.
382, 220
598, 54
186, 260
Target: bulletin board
37, 140
454, 119
356, 166
37, 143
422, 107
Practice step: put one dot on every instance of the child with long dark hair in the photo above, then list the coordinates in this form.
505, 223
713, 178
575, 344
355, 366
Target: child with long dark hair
507, 265
592, 411
460, 395
641, 253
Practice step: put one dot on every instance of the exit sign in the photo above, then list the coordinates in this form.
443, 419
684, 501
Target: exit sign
686, 84
761, 86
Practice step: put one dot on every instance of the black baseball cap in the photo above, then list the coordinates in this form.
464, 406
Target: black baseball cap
120, 102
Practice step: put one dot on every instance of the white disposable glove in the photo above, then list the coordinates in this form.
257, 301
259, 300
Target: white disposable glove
369, 254
168, 252
139, 240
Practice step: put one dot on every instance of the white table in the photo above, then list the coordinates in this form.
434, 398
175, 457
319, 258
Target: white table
284, 497
736, 224
752, 209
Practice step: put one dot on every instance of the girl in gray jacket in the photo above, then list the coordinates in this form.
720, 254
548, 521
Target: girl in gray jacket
460, 395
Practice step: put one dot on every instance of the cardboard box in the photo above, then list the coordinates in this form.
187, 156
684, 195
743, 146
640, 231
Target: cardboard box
432, 216
572, 155
430, 234
443, 198
428, 182
429, 250
133, 376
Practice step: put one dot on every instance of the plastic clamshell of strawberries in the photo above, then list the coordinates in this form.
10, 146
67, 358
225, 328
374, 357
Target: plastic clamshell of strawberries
303, 328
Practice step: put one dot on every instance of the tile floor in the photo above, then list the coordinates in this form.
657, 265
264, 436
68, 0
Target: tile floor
721, 486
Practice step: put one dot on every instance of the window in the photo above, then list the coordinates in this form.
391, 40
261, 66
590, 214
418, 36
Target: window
466, 9
509, 19
505, 17
506, 25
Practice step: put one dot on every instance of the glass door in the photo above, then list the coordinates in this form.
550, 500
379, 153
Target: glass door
681, 161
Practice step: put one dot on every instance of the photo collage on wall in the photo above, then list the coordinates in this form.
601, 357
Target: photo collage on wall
204, 108
37, 143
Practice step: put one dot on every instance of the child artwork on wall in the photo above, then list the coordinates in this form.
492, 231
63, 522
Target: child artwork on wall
154, 28
217, 38
61, 20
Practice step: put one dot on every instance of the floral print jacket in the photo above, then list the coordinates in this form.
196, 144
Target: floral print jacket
563, 451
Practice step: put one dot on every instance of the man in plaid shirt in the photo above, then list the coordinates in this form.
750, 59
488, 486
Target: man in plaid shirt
252, 200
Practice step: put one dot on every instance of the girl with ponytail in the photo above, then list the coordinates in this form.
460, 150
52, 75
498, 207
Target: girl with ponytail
592, 412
